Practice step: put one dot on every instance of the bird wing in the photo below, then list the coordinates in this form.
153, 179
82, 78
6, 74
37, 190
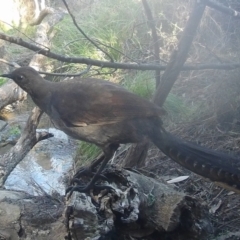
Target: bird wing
94, 101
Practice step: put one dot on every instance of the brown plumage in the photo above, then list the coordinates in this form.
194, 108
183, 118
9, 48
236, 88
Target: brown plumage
106, 114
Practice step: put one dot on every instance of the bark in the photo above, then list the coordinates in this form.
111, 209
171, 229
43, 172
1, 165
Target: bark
29, 136
10, 92
105, 64
179, 55
50, 20
22, 215
28, 139
38, 19
27, 217
138, 207
136, 155
226, 10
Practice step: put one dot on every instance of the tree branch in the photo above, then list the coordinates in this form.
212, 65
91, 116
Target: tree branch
104, 64
179, 55
41, 16
223, 9
25, 143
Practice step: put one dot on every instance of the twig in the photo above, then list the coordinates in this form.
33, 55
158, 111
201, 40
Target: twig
105, 45
23, 34
106, 73
156, 47
67, 74
12, 64
27, 140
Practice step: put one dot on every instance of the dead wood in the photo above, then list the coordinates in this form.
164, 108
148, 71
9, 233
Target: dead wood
27, 217
23, 216
10, 92
138, 207
220, 7
25, 143
38, 19
29, 135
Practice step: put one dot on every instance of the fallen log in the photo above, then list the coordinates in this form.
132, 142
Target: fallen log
137, 207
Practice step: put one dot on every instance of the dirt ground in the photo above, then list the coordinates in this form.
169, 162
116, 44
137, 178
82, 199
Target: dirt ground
223, 205
216, 129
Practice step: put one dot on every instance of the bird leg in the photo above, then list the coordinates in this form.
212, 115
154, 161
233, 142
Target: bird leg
108, 154
87, 170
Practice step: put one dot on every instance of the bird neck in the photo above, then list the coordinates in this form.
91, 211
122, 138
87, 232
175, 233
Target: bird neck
40, 92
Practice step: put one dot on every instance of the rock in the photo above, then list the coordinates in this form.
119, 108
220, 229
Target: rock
3, 124
44, 167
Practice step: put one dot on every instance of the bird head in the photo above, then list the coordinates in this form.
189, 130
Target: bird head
24, 77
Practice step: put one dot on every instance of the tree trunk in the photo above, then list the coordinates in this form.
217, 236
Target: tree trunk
29, 136
177, 60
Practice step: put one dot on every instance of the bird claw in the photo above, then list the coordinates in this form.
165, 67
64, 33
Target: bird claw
83, 171
78, 182
85, 189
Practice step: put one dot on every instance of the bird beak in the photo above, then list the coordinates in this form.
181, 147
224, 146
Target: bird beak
6, 75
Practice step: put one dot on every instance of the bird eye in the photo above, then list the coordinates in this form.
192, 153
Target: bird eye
20, 78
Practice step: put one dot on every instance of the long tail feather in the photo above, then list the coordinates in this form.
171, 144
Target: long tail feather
218, 167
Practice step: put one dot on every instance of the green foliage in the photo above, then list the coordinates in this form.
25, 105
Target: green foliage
178, 110
143, 84
14, 130
108, 26
140, 83
25, 33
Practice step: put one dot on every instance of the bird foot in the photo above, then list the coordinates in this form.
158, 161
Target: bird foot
86, 189
79, 182
83, 171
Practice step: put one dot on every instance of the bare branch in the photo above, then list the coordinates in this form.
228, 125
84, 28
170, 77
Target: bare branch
66, 74
104, 64
41, 16
27, 140
138, 152
223, 9
23, 34
116, 50
179, 55
29, 137
11, 64
151, 24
